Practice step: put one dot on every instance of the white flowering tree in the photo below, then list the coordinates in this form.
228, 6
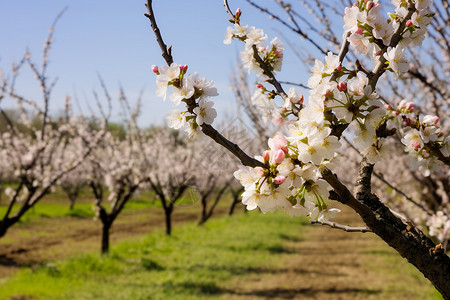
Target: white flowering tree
295, 174
117, 169
36, 152
172, 172
214, 174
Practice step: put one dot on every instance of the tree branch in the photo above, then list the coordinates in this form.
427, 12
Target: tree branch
166, 54
206, 129
342, 227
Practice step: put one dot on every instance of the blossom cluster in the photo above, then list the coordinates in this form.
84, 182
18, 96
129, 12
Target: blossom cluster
285, 183
192, 89
439, 226
254, 39
339, 97
422, 136
371, 33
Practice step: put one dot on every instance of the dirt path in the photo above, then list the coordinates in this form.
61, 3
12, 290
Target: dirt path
327, 263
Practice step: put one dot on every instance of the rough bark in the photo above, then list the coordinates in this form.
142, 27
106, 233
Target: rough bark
405, 238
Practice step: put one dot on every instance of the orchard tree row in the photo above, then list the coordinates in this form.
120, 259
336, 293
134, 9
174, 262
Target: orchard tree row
115, 161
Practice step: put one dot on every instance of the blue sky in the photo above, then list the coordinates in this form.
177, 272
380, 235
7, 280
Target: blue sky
114, 39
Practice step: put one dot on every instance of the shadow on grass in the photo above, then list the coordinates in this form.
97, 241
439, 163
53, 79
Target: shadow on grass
10, 262
236, 270
210, 288
273, 249
205, 288
305, 292
290, 238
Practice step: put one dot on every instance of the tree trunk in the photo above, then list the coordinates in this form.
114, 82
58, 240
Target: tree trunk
233, 205
105, 237
204, 209
5, 224
72, 199
168, 213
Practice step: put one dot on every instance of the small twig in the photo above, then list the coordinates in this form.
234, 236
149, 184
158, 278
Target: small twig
296, 30
294, 83
346, 228
166, 54
227, 7
272, 80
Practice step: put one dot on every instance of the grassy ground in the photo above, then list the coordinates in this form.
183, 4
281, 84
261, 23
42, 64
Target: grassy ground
250, 256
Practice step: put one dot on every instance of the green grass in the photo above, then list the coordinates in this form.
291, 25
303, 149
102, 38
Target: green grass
195, 263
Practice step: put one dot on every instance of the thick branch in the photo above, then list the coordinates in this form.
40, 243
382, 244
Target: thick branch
406, 239
232, 147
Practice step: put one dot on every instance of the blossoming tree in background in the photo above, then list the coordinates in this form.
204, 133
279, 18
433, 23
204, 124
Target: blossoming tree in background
37, 152
295, 174
116, 170
172, 172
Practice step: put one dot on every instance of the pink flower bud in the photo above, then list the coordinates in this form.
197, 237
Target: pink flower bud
184, 68
370, 5
266, 155
238, 13
409, 23
155, 69
339, 68
388, 107
430, 120
260, 86
359, 31
278, 156
395, 113
342, 86
410, 106
279, 180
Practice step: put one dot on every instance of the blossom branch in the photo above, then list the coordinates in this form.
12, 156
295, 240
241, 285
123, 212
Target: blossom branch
379, 68
206, 128
272, 80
